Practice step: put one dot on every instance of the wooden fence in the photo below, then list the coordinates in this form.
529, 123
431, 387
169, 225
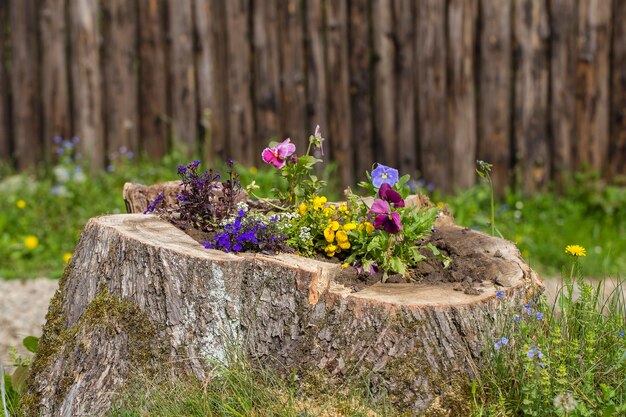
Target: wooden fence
536, 87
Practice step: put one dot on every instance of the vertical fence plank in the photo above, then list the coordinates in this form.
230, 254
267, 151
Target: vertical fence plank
339, 88
592, 90
182, 76
531, 32
266, 72
432, 93
5, 130
152, 78
54, 76
406, 154
316, 66
25, 85
121, 120
292, 79
384, 83
220, 127
239, 65
461, 94
86, 80
494, 91
360, 82
563, 27
617, 164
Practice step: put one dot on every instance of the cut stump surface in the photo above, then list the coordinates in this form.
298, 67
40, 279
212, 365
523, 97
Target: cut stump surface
140, 294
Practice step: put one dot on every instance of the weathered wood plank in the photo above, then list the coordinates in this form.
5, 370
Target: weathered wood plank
54, 78
592, 84
564, 31
316, 66
182, 81
360, 87
405, 113
25, 103
432, 93
617, 163
241, 130
461, 25
531, 34
339, 112
266, 72
121, 115
86, 79
494, 92
385, 139
152, 78
292, 72
5, 93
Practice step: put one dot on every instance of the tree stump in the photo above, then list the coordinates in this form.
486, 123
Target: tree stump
140, 294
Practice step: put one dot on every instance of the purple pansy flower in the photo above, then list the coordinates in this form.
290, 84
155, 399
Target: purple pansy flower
384, 175
390, 195
279, 153
386, 219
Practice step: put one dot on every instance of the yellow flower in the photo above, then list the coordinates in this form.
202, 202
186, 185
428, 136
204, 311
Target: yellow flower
349, 226
342, 240
302, 209
67, 256
254, 170
575, 250
20, 204
329, 211
343, 208
345, 265
31, 242
319, 202
334, 225
369, 227
329, 234
330, 250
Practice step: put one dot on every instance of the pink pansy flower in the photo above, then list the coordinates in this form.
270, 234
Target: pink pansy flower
386, 219
279, 153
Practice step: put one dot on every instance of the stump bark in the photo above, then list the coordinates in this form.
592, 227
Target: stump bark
140, 294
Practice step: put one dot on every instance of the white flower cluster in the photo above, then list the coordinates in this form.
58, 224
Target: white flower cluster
305, 234
242, 206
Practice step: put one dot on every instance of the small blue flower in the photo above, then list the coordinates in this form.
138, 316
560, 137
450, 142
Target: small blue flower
530, 353
497, 345
539, 315
500, 294
516, 318
383, 174
504, 340
621, 333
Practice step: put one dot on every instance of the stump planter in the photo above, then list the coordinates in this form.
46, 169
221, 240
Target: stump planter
140, 294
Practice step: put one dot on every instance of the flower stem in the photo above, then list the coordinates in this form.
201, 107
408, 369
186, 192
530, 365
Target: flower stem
268, 202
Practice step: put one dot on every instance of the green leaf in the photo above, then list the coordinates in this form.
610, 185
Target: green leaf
374, 244
397, 265
30, 343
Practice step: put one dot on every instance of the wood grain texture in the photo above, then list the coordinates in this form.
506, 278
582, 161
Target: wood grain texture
182, 77
360, 50
495, 88
86, 80
564, 38
404, 76
55, 98
241, 130
121, 116
462, 15
530, 34
338, 76
153, 90
267, 83
432, 91
592, 84
292, 73
617, 161
384, 83
6, 154
25, 103
316, 93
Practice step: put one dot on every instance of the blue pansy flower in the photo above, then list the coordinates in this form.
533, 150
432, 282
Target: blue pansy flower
383, 174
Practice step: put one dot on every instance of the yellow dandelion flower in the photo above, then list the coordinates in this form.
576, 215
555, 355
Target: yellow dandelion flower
330, 250
20, 204
67, 256
349, 226
302, 209
31, 242
575, 250
329, 234
345, 265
